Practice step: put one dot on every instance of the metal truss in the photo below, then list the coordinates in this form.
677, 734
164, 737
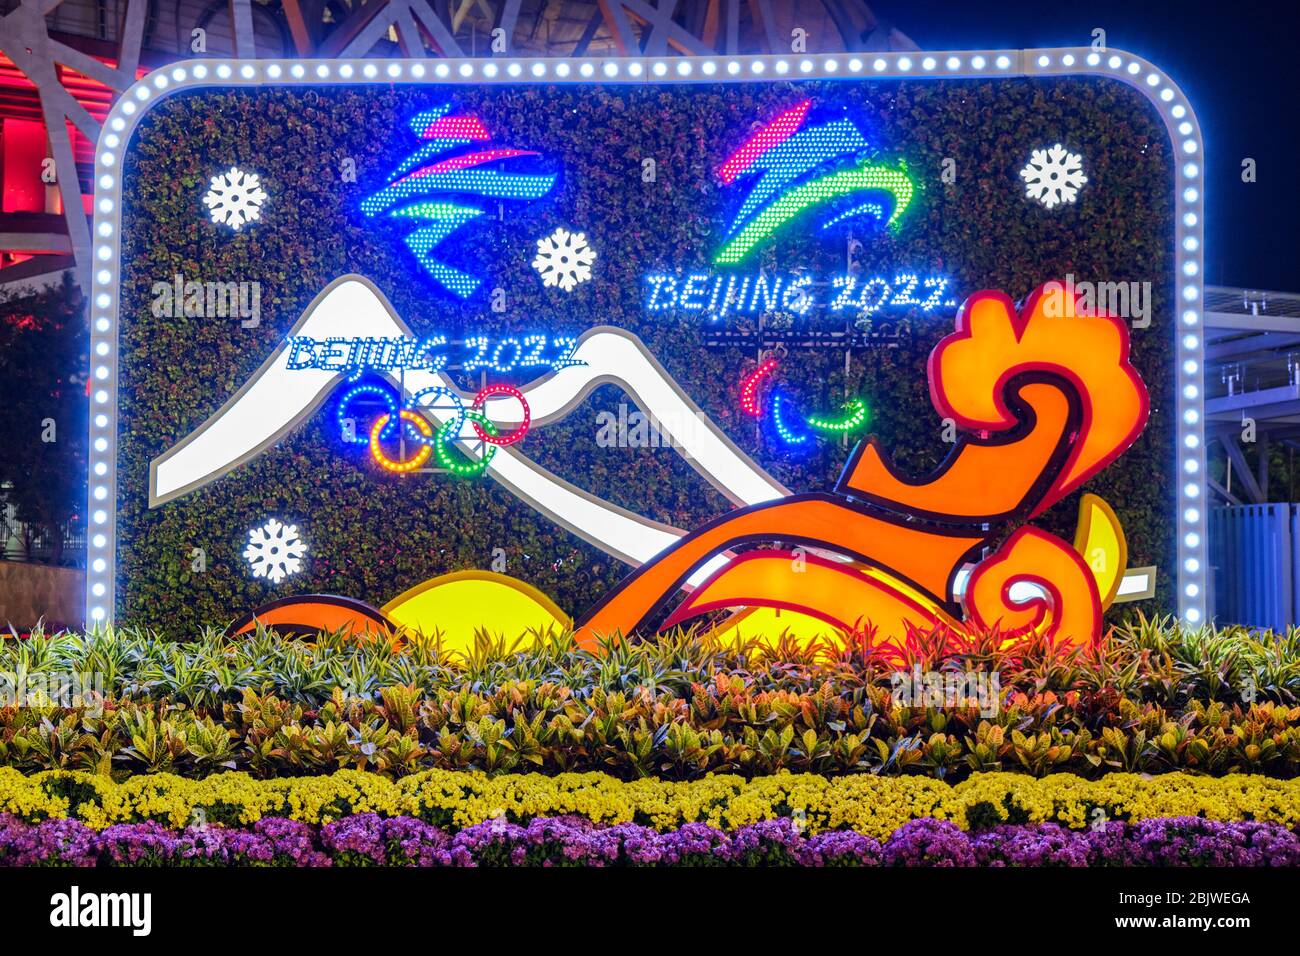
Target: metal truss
407, 28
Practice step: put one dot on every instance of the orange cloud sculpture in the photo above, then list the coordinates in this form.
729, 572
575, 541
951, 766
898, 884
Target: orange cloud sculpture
1045, 397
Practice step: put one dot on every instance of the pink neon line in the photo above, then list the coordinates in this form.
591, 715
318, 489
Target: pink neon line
773, 134
455, 127
474, 159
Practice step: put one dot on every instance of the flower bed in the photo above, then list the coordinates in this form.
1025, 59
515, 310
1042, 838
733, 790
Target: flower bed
369, 839
678, 710
1157, 661
721, 728
871, 805
252, 752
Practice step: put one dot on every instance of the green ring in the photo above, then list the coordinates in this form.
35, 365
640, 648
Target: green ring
442, 447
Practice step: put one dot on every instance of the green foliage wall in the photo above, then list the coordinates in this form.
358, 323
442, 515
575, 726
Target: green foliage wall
372, 535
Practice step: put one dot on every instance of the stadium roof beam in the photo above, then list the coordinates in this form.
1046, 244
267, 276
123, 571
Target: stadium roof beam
1252, 382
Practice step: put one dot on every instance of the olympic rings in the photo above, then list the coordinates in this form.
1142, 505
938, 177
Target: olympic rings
435, 438
436, 398
515, 434
442, 447
421, 425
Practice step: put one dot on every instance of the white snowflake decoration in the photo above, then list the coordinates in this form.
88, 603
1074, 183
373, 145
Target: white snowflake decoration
275, 551
564, 259
235, 198
1053, 175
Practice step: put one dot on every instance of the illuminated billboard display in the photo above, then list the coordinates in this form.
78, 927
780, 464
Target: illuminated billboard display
895, 339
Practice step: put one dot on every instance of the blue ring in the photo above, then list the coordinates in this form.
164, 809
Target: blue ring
456, 423
362, 436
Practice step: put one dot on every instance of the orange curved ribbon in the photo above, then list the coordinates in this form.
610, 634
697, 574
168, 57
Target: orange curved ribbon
1067, 607
1047, 398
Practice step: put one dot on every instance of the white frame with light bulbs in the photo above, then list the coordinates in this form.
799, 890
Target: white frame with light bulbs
1169, 100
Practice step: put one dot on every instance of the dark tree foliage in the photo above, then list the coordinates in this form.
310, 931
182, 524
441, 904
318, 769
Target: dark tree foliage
43, 362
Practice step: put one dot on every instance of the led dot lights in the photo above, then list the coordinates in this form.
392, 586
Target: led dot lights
867, 176
457, 175
410, 464
455, 463
855, 416
438, 402
435, 400
773, 134
749, 385
783, 411
347, 424
717, 296
493, 437
779, 154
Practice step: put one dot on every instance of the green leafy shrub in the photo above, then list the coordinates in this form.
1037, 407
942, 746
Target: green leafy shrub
1142, 702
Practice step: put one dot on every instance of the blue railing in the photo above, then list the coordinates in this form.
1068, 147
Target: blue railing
1255, 553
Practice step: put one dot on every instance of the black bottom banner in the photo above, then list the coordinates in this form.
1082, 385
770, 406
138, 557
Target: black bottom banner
296, 906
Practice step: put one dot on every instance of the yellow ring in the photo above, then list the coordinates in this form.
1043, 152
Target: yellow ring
421, 456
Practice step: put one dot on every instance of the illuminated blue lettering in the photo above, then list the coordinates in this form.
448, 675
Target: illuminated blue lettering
771, 297
796, 299
695, 286
659, 282
723, 295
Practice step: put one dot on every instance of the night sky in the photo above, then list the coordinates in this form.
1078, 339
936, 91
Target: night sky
1236, 62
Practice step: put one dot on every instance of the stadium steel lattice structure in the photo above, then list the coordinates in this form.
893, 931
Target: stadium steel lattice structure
64, 62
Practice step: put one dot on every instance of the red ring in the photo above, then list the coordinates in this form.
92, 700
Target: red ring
515, 434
